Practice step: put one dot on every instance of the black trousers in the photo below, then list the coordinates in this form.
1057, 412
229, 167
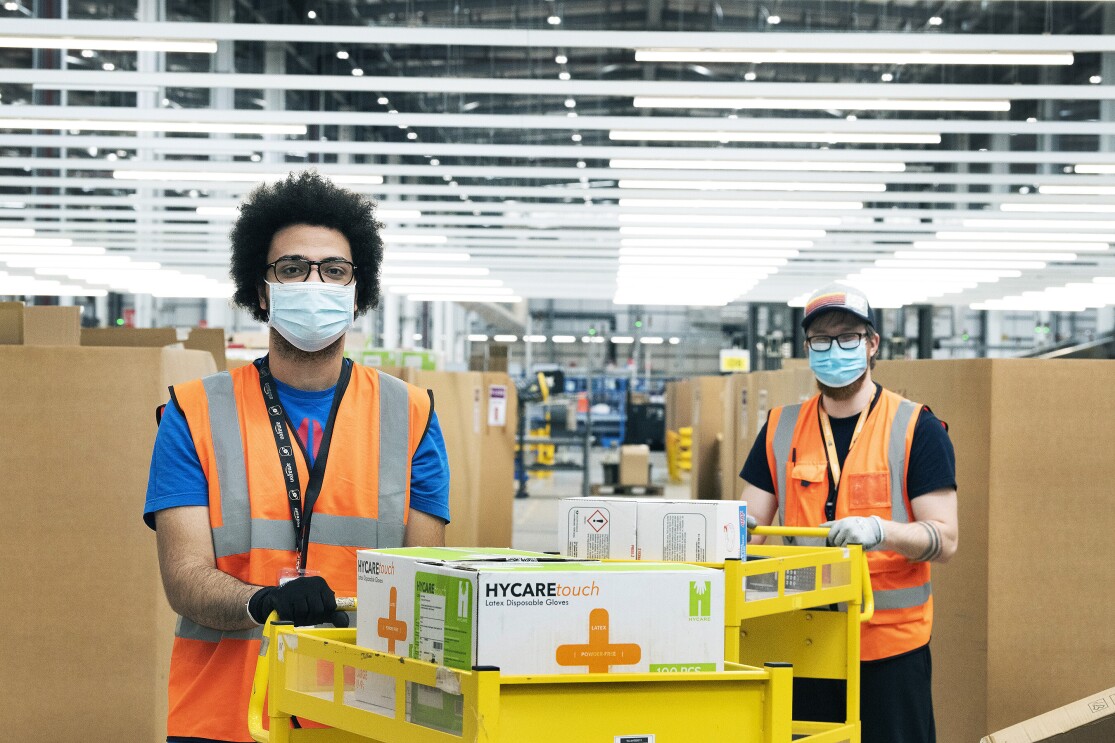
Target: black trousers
896, 699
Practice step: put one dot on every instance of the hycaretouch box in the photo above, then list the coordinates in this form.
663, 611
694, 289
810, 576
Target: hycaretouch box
597, 528
692, 531
550, 616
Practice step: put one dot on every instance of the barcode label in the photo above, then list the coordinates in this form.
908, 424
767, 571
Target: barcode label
437, 645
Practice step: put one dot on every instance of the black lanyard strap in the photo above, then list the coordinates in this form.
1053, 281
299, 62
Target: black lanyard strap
301, 510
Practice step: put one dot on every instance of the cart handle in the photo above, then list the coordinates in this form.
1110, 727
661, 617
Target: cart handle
263, 672
821, 532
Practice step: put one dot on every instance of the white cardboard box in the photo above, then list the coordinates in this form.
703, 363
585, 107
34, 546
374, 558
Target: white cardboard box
548, 617
597, 528
692, 531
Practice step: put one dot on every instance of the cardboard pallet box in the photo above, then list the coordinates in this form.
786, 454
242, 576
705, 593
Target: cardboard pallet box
478, 416
1088, 720
634, 465
82, 426
211, 340
707, 415
1022, 613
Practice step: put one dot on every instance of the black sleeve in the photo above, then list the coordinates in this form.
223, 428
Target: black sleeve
932, 459
756, 470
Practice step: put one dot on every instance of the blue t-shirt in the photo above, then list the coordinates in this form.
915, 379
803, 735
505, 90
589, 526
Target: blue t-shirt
176, 477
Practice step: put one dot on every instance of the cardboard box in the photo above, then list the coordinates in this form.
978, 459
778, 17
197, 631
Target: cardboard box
211, 340
39, 325
634, 464
481, 453
77, 473
540, 617
11, 323
48, 325
598, 528
708, 417
679, 404
1088, 720
1022, 613
691, 531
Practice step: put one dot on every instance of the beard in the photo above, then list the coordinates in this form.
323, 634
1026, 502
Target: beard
288, 350
847, 392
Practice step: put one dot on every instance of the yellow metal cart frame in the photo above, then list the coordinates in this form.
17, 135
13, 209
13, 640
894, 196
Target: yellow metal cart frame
305, 673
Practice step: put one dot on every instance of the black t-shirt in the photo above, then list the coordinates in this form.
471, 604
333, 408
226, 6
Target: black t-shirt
932, 463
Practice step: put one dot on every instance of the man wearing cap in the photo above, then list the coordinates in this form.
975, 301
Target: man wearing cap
878, 471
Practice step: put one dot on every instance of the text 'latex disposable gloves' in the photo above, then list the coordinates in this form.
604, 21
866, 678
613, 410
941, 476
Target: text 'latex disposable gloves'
866, 531
304, 601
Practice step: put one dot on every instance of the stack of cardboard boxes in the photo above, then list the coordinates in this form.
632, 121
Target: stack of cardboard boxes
87, 630
530, 613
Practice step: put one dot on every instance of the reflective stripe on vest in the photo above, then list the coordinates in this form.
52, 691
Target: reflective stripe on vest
898, 598
240, 533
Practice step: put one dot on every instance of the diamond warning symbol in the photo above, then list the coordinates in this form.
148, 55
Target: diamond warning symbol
597, 521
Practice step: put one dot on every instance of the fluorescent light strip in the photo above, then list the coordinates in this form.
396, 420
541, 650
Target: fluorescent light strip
1028, 206
534, 339
31, 250
393, 270
773, 165
970, 255
191, 127
231, 176
632, 202
821, 104
434, 288
232, 211
622, 340
563, 339
477, 338
405, 239
505, 338
405, 281
1076, 247
689, 253
1094, 169
1077, 190
627, 262
651, 340
393, 257
593, 339
797, 221
741, 232
684, 185
896, 57
16, 232
35, 242
938, 263
1026, 236
104, 43
1041, 224
707, 242
501, 299
650, 135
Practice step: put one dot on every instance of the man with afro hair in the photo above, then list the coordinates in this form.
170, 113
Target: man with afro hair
266, 480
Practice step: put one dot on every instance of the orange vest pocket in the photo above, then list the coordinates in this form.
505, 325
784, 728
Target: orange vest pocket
868, 490
808, 473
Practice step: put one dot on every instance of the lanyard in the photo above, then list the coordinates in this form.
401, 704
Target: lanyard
300, 511
830, 445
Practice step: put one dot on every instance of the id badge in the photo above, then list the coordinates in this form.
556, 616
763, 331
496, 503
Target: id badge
286, 575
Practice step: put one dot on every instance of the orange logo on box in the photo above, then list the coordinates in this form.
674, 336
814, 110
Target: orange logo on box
390, 627
599, 654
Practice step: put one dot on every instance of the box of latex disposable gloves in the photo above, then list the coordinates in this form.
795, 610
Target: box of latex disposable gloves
551, 616
597, 528
692, 531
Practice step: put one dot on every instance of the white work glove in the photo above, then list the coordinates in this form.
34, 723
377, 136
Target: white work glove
866, 531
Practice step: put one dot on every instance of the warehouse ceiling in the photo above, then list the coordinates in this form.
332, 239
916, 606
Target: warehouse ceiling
643, 152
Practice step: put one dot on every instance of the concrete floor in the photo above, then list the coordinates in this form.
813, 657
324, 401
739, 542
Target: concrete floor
535, 520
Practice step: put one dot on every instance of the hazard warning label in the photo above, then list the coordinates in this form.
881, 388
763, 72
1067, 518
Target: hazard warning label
597, 521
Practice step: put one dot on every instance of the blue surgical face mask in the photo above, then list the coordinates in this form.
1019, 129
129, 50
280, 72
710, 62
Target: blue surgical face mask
310, 314
837, 367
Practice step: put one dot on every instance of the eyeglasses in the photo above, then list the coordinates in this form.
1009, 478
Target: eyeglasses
330, 271
847, 341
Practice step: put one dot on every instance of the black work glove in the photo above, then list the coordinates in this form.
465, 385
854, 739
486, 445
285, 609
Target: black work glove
304, 601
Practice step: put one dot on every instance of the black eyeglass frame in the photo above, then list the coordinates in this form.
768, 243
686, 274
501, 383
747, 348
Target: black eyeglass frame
841, 340
311, 266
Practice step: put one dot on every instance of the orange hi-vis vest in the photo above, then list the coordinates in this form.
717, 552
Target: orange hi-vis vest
872, 482
364, 502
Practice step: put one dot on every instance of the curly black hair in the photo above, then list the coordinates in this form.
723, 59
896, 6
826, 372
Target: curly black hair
303, 197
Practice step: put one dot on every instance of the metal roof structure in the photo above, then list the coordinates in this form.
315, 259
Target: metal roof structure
641, 152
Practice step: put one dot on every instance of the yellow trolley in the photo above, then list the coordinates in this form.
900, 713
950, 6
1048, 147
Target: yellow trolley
770, 626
